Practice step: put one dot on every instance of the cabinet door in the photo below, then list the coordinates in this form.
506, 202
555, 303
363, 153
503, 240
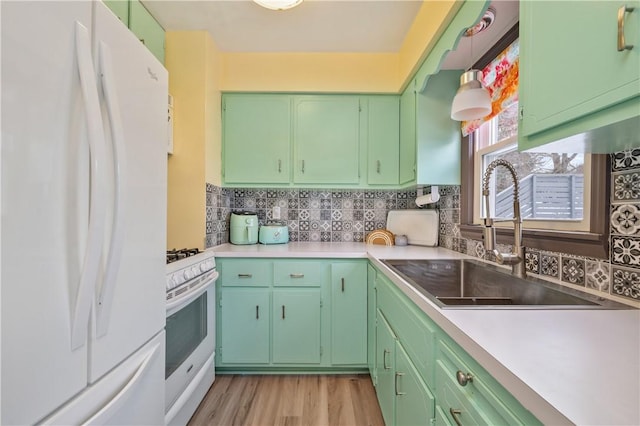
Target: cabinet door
120, 8
408, 135
245, 334
385, 366
437, 136
415, 404
383, 140
572, 67
296, 326
371, 323
147, 29
348, 313
257, 136
326, 134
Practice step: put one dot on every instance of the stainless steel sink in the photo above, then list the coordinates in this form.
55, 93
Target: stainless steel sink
472, 284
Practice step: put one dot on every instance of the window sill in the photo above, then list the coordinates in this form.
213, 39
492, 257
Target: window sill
577, 243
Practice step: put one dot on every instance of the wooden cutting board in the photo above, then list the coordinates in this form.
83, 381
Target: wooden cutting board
380, 237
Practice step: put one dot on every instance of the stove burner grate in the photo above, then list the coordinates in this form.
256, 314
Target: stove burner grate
175, 255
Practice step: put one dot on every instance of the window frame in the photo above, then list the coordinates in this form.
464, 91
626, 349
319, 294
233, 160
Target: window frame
592, 243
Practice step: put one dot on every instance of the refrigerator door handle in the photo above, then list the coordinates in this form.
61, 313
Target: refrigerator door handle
105, 298
95, 235
129, 388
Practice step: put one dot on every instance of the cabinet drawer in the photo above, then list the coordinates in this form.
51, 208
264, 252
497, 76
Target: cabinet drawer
417, 333
477, 402
298, 273
245, 272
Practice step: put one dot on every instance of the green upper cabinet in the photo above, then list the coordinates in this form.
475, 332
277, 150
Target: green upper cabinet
383, 124
327, 139
147, 29
120, 8
349, 313
574, 80
407, 173
256, 138
438, 136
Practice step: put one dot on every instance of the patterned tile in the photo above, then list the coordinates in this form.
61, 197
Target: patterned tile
625, 251
625, 186
624, 160
626, 283
549, 265
598, 275
625, 219
573, 271
532, 261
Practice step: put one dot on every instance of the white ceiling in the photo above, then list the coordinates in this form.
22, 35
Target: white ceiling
313, 26
319, 26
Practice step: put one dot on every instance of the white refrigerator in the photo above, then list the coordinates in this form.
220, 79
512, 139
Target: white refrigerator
83, 230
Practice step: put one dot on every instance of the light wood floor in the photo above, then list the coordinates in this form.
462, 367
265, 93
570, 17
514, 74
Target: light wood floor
290, 400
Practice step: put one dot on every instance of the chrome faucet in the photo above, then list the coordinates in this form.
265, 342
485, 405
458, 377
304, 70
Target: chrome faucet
516, 257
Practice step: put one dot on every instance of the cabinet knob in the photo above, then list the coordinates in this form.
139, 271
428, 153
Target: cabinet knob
622, 45
463, 378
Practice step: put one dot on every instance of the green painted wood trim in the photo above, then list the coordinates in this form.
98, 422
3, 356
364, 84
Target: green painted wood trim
467, 16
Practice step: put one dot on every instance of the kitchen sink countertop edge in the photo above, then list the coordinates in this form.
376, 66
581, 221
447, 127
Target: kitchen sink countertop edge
565, 366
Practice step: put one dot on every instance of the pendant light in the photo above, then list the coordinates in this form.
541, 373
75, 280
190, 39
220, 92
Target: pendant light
472, 99
278, 4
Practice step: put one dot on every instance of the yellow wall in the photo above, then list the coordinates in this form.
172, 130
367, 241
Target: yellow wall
191, 58
340, 72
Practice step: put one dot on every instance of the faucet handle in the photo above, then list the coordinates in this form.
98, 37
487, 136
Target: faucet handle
489, 234
507, 258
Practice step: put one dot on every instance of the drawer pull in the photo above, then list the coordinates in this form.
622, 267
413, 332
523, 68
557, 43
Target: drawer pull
378, 167
622, 45
463, 378
296, 275
342, 279
257, 312
384, 359
245, 275
396, 384
279, 166
455, 413
283, 315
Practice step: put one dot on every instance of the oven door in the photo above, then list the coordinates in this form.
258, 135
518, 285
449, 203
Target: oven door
190, 336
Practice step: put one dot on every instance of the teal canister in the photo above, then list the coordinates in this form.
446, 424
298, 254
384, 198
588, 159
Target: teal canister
243, 228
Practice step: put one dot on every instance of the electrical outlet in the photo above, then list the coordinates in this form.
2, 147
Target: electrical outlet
276, 212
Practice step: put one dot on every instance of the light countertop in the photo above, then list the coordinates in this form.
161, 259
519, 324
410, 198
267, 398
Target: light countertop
565, 366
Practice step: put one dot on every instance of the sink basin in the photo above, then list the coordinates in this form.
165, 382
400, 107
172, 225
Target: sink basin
455, 283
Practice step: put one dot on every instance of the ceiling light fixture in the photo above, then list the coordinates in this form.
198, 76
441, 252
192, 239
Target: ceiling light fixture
472, 99
278, 4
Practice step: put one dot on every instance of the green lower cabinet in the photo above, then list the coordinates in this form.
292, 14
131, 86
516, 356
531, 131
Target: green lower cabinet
371, 323
477, 400
296, 326
385, 362
349, 313
246, 314
415, 403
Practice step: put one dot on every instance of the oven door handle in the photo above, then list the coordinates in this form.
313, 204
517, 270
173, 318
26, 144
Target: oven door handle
192, 294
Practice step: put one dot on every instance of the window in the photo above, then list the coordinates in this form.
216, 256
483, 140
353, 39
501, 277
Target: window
563, 197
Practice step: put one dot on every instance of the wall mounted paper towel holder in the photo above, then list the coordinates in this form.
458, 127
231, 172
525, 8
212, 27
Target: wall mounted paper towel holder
430, 198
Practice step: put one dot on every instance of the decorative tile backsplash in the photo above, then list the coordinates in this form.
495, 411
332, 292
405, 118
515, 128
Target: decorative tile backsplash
348, 215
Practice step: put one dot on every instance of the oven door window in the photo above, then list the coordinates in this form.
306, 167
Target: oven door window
185, 330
